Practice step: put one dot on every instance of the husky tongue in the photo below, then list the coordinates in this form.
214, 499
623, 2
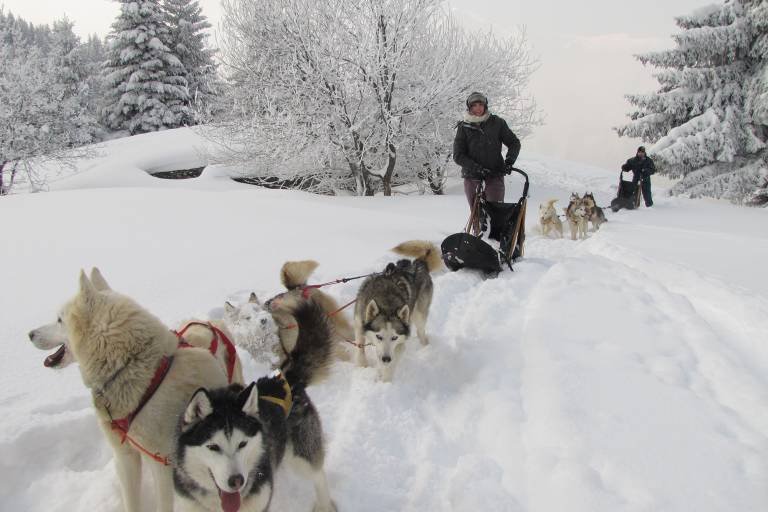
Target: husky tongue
230, 501
55, 358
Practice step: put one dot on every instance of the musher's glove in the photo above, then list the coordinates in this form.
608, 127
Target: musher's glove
508, 168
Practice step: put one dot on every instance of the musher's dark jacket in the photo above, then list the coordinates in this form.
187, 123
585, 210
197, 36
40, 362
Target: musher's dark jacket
478, 146
640, 168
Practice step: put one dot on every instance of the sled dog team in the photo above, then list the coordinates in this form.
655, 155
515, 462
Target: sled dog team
580, 211
176, 399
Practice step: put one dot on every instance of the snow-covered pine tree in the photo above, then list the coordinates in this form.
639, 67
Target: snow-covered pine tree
705, 120
92, 54
187, 39
145, 79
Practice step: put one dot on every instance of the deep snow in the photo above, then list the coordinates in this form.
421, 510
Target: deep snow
625, 372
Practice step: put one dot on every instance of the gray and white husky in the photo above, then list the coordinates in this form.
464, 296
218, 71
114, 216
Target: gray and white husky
594, 213
231, 440
391, 303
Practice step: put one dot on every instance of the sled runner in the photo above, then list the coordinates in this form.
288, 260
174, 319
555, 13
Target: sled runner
628, 195
507, 225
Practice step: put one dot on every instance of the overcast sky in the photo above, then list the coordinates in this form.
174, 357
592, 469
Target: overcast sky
585, 48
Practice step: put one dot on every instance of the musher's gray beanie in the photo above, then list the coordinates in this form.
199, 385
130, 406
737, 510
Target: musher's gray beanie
477, 97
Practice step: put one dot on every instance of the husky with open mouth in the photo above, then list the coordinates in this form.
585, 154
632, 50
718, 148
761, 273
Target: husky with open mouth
230, 441
140, 376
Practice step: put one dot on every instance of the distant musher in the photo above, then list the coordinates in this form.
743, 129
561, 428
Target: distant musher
642, 168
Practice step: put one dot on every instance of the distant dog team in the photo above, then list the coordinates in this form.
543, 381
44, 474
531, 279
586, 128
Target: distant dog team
581, 210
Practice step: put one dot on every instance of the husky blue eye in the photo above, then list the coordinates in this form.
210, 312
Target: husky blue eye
214, 447
242, 445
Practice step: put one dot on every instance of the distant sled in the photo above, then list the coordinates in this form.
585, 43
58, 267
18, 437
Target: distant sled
507, 225
627, 196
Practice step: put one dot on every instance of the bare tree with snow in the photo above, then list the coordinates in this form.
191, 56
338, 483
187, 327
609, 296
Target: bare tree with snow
365, 94
44, 112
709, 120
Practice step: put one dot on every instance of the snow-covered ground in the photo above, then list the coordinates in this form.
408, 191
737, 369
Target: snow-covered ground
625, 372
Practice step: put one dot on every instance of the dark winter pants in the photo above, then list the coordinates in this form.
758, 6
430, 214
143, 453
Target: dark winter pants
494, 189
645, 187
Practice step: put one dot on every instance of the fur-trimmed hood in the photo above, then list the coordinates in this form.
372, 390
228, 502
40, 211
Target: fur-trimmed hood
469, 118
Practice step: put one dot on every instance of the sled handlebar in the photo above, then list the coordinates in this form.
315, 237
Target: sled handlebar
527, 183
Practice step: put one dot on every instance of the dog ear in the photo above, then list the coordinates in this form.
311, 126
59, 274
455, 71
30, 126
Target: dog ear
229, 308
371, 310
253, 299
404, 313
87, 290
98, 280
250, 400
198, 409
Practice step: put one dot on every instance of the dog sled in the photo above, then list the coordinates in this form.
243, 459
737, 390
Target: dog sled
505, 223
627, 196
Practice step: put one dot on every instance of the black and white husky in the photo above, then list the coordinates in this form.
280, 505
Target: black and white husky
231, 440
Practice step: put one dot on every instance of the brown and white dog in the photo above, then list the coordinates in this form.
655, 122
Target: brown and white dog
268, 330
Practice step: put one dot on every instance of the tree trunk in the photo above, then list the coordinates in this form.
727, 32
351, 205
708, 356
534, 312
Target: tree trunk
362, 178
13, 176
2, 188
386, 180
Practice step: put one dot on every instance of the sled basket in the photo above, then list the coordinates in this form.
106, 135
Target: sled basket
507, 225
627, 196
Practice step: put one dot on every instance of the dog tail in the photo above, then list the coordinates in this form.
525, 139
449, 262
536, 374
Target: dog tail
422, 250
294, 274
309, 361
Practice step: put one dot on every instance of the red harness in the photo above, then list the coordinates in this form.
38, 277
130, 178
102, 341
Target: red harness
218, 334
122, 425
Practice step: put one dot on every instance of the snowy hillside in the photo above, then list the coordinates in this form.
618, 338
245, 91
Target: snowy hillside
625, 372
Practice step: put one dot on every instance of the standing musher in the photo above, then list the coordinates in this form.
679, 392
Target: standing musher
642, 168
477, 149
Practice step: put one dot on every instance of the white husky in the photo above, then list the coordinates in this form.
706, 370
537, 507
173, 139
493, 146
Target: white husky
139, 377
268, 330
548, 218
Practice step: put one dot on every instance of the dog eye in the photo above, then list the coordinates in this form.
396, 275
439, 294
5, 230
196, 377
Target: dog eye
379, 337
242, 445
214, 447
394, 338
